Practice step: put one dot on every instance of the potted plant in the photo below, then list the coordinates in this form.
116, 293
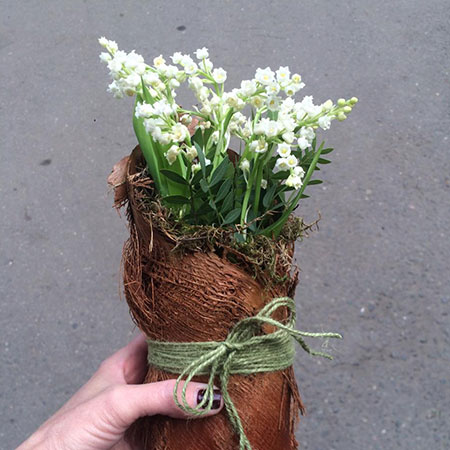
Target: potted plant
208, 269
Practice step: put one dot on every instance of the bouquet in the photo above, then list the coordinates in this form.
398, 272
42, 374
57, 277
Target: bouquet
208, 269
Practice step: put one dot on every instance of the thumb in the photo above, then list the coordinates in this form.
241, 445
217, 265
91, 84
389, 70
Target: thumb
124, 404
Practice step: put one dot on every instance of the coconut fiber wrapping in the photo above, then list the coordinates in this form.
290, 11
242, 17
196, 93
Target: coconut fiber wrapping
198, 296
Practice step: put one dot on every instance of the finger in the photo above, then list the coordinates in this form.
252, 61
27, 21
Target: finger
129, 364
123, 404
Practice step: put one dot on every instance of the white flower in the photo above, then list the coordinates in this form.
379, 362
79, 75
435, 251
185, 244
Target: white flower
308, 133
284, 150
273, 103
196, 167
190, 68
115, 64
294, 181
282, 164
296, 78
248, 87
177, 57
105, 57
307, 106
203, 94
326, 106
159, 61
264, 183
272, 128
161, 137
287, 105
265, 76
288, 137
130, 83
151, 78
259, 146
179, 132
273, 88
287, 122
291, 161
169, 71
151, 124
144, 110
247, 129
215, 137
133, 60
283, 75
244, 165
115, 89
111, 46
219, 75
324, 122
173, 83
298, 171
257, 101
162, 107
208, 64
172, 154
231, 99
201, 53
303, 143
293, 88
191, 153
195, 83
207, 162
260, 127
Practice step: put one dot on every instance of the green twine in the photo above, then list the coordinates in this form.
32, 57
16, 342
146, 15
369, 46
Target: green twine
244, 351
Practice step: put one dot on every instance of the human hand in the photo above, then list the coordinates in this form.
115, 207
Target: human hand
98, 415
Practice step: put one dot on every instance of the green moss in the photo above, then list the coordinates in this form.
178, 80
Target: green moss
263, 257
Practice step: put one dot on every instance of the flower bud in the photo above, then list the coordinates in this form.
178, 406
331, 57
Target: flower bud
353, 100
347, 109
341, 116
341, 102
327, 105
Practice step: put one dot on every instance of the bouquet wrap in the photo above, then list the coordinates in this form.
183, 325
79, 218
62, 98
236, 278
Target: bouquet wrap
198, 296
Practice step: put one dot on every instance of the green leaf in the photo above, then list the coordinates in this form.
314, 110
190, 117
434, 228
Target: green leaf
228, 202
204, 209
219, 172
325, 151
201, 158
232, 216
176, 199
315, 182
146, 94
280, 175
223, 190
204, 185
171, 175
268, 198
197, 177
323, 161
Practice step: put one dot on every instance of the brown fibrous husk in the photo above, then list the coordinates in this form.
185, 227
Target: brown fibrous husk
186, 283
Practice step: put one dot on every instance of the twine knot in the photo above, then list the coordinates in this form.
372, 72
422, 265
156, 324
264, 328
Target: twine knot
245, 351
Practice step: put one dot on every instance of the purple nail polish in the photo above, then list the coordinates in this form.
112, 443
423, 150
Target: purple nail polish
216, 400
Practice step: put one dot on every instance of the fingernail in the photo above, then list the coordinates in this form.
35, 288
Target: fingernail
216, 400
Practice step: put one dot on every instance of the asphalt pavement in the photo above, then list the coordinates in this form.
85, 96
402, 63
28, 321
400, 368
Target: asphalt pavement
377, 270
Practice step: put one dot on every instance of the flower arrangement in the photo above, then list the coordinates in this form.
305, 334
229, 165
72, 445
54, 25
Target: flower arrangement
231, 214
193, 173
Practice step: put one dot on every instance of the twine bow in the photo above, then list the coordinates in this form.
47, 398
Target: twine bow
244, 351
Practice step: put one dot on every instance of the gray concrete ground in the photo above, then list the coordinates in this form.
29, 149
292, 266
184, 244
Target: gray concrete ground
378, 269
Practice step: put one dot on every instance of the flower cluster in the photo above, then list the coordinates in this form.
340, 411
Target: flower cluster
275, 130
